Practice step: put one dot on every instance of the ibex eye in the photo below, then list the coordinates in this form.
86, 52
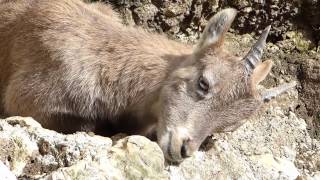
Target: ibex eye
203, 84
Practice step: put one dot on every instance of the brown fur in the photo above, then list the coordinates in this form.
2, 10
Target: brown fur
69, 40
73, 66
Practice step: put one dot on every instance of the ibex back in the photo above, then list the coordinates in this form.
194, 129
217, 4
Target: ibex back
74, 67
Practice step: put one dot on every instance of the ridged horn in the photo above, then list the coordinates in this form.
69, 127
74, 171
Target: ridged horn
254, 55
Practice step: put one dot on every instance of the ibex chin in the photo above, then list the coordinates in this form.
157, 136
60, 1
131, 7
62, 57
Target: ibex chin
73, 66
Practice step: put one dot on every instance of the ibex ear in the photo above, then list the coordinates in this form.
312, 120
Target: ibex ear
261, 72
218, 25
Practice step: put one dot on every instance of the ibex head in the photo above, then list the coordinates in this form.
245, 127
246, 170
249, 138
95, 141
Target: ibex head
212, 91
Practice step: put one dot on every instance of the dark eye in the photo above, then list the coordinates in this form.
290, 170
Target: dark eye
203, 85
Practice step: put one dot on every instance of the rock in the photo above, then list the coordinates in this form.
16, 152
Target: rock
23, 122
33, 152
138, 158
310, 15
185, 19
310, 81
255, 15
130, 158
5, 173
83, 170
297, 41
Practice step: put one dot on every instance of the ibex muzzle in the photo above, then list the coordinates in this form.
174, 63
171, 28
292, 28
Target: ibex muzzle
74, 67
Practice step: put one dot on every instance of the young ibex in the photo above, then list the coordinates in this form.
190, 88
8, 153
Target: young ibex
74, 67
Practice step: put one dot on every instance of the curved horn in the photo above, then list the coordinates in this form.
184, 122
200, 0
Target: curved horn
254, 55
268, 94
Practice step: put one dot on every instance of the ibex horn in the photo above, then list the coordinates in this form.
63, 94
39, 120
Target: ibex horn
254, 55
273, 92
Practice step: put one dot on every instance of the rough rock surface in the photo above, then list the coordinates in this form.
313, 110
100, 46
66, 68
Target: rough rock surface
6, 173
185, 18
275, 144
32, 152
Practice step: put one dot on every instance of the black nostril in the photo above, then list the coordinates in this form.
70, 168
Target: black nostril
184, 150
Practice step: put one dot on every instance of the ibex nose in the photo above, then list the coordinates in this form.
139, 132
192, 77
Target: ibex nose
177, 144
185, 151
